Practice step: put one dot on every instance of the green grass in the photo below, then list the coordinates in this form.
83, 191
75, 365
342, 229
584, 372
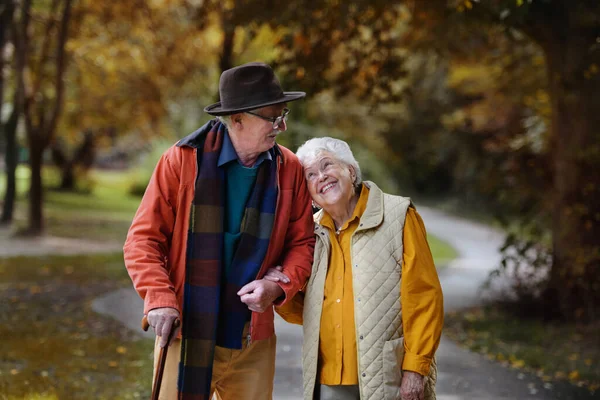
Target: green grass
53, 345
442, 252
554, 351
104, 214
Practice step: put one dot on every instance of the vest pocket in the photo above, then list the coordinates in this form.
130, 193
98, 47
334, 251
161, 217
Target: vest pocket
392, 355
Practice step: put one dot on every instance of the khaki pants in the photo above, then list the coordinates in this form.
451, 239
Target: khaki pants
237, 374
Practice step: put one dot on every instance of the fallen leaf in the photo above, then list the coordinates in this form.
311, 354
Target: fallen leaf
574, 375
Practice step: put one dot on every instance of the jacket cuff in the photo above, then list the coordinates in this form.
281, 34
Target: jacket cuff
416, 363
160, 299
289, 291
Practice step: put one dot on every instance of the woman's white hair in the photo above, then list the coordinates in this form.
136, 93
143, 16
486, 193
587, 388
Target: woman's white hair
339, 149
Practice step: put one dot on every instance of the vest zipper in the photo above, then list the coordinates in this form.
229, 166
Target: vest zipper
356, 333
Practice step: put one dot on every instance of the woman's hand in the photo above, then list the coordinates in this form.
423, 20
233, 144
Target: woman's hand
275, 275
412, 387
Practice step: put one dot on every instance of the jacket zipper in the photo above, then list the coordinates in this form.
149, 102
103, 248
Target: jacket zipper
249, 336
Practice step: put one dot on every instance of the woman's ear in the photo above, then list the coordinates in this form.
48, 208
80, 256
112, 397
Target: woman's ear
352, 174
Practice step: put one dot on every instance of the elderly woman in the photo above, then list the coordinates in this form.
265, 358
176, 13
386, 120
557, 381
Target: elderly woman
372, 311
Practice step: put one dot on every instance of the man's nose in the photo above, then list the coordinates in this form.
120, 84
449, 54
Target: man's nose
282, 127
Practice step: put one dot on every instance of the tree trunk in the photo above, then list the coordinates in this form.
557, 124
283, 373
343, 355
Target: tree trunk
9, 129
36, 220
12, 158
574, 285
226, 60
68, 177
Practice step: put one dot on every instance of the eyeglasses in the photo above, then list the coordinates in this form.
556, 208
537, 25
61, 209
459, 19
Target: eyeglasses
276, 121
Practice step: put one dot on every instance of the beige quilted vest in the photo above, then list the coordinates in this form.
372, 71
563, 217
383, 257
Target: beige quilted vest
377, 269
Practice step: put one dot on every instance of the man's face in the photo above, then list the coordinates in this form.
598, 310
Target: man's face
256, 135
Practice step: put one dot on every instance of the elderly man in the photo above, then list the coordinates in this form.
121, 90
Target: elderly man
223, 206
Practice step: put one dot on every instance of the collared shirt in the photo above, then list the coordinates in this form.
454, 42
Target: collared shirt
337, 344
228, 153
338, 358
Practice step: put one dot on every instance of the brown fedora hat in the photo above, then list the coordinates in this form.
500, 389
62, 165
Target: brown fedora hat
248, 87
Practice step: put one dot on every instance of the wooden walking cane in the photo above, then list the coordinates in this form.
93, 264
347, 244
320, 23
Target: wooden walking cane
162, 357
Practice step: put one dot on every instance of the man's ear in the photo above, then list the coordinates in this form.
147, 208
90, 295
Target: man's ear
236, 119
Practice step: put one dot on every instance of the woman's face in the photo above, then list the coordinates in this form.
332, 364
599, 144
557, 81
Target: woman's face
330, 181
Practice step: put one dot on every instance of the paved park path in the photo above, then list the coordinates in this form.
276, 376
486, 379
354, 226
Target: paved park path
462, 375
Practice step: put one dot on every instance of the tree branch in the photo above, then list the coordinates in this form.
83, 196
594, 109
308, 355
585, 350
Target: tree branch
45, 48
60, 71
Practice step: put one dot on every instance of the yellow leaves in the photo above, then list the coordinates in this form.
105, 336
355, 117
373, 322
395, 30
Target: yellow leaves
591, 71
539, 61
574, 357
542, 96
515, 362
35, 289
588, 362
121, 350
574, 375
113, 364
519, 3
465, 5
78, 352
14, 371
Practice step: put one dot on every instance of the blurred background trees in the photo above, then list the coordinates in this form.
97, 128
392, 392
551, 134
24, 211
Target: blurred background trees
489, 107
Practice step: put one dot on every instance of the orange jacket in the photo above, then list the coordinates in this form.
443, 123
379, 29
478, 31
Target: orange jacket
155, 249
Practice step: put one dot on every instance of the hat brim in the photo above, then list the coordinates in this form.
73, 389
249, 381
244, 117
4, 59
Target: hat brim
216, 109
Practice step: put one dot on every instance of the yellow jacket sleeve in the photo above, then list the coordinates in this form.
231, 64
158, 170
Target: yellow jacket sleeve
292, 310
421, 298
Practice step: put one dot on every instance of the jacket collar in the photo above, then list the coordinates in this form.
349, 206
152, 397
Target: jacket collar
371, 218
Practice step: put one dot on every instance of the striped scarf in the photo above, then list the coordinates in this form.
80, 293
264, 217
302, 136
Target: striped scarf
205, 285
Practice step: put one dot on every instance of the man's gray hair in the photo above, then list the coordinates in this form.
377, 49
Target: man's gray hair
225, 119
339, 149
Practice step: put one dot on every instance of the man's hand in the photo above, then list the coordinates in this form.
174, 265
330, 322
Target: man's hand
412, 387
161, 320
260, 294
